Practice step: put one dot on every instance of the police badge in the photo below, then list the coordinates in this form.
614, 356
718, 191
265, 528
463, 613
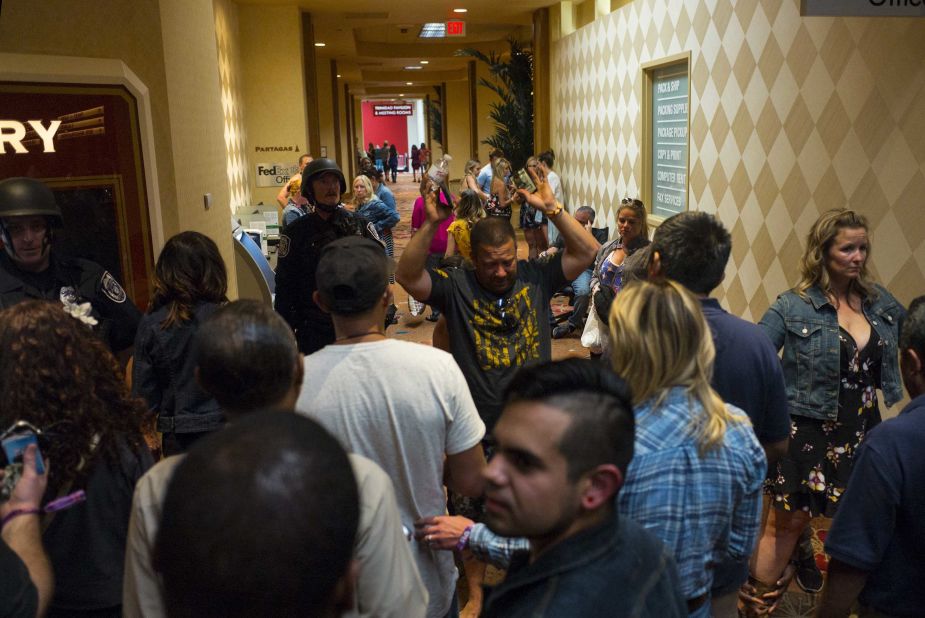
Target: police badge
112, 289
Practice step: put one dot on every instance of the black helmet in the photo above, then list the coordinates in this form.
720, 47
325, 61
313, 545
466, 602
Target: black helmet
316, 168
25, 197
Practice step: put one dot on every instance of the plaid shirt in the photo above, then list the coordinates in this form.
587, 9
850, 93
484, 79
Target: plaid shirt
703, 509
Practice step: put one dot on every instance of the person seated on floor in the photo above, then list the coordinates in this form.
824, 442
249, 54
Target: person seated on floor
581, 285
877, 539
564, 441
260, 519
246, 358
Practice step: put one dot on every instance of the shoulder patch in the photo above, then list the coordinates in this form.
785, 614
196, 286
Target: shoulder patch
68, 295
112, 289
283, 249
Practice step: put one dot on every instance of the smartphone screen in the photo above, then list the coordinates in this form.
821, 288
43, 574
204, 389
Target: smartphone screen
16, 444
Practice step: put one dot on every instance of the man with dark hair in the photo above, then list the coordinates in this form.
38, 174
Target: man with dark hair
877, 540
404, 405
247, 359
564, 442
497, 313
692, 248
31, 267
233, 544
300, 247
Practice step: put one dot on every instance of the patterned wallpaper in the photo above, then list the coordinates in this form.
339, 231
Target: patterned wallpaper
229, 63
789, 117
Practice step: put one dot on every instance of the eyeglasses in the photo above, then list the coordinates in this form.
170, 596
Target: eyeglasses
509, 321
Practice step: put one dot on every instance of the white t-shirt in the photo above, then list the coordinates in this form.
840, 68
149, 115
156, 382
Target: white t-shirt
405, 406
388, 584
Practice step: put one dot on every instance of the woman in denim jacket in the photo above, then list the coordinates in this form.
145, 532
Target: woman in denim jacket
838, 331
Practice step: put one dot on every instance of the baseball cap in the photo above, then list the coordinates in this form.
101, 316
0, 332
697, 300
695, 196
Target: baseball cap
352, 274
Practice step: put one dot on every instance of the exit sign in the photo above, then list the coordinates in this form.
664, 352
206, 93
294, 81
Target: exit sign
456, 28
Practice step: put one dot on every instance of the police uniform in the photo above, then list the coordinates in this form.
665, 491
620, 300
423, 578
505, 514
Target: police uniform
297, 259
75, 281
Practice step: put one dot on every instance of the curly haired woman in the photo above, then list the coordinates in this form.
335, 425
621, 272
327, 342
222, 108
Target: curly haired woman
55, 374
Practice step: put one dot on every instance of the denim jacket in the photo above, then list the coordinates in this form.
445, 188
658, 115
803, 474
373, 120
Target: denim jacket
808, 332
614, 569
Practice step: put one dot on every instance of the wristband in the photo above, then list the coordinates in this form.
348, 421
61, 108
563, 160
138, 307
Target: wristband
556, 211
464, 538
17, 513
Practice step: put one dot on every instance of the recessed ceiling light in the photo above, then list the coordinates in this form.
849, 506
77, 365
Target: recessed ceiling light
408, 83
425, 61
412, 67
401, 95
338, 74
460, 10
319, 44
433, 30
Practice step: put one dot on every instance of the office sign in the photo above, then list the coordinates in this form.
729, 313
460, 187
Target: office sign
275, 174
863, 8
393, 109
670, 120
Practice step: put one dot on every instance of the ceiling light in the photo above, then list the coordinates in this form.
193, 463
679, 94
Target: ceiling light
433, 30
338, 74
425, 61
401, 95
412, 67
319, 44
408, 83
460, 10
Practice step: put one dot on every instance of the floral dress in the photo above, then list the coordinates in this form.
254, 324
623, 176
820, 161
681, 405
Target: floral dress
815, 472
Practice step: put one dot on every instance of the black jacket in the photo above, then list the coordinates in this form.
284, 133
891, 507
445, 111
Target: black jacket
163, 373
78, 281
299, 252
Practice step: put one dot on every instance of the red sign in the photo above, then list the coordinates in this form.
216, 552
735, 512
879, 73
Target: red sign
393, 109
456, 28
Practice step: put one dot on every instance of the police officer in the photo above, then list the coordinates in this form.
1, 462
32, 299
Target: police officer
29, 268
300, 249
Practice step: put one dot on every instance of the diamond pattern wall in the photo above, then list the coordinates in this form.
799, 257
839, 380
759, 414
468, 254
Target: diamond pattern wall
789, 117
226, 40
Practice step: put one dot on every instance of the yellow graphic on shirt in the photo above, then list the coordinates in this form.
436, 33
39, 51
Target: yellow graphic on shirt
511, 341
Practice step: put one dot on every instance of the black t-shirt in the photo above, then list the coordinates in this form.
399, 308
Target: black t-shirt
299, 252
18, 596
492, 336
86, 543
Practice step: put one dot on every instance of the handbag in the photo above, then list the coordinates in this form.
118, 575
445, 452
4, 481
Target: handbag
592, 336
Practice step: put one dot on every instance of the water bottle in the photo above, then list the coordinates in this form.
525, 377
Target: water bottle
439, 172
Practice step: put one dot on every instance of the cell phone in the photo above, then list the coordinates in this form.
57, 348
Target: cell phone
15, 444
522, 180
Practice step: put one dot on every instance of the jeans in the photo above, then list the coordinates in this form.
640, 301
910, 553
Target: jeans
581, 287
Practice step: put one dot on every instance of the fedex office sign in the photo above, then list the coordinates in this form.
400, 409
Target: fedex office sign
13, 132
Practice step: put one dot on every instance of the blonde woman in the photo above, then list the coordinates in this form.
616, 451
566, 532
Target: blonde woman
499, 202
695, 478
470, 181
839, 332
468, 212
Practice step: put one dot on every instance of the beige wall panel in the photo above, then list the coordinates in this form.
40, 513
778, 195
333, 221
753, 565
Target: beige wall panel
457, 98
789, 116
197, 128
325, 107
273, 87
